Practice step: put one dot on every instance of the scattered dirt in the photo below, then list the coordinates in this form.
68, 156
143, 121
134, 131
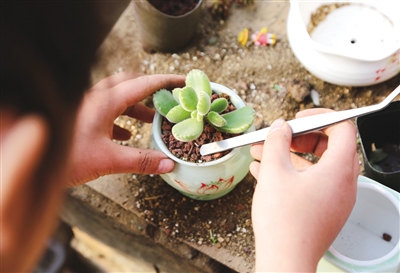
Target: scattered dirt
259, 75
225, 222
299, 90
320, 14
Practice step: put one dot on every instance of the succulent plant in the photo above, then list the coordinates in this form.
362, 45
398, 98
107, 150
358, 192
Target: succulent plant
191, 106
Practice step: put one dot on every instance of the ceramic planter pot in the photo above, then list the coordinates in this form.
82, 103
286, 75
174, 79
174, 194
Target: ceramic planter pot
162, 32
381, 128
341, 49
370, 239
208, 180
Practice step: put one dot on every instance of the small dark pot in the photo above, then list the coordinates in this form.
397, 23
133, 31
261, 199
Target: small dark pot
380, 128
162, 32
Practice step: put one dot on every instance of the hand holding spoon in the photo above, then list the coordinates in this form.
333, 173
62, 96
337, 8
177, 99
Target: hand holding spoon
299, 126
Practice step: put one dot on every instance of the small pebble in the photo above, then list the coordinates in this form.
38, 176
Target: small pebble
315, 97
298, 89
386, 237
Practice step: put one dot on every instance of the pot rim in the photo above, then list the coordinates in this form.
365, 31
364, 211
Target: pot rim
167, 15
218, 88
295, 14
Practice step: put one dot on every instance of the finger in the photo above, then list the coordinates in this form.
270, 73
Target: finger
312, 111
276, 150
300, 163
314, 142
340, 160
256, 151
141, 161
132, 91
254, 169
120, 133
342, 143
140, 112
114, 80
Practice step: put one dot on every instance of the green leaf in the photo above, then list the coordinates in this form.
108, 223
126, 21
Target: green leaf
238, 121
175, 93
199, 81
219, 105
204, 103
188, 98
194, 114
187, 130
215, 119
199, 117
177, 114
164, 101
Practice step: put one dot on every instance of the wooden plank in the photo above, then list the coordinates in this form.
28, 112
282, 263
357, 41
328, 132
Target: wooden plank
108, 222
114, 188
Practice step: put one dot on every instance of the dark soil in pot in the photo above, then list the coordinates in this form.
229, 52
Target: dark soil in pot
174, 7
386, 159
380, 142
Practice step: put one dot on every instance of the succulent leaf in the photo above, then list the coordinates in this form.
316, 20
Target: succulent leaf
216, 119
188, 130
188, 98
199, 117
175, 93
204, 103
219, 105
199, 81
177, 114
191, 106
238, 121
164, 101
194, 114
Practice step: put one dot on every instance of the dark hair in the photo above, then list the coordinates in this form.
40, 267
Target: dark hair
47, 50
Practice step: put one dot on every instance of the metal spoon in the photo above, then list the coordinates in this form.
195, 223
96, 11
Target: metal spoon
299, 126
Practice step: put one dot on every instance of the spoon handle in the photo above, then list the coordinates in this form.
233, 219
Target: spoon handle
299, 126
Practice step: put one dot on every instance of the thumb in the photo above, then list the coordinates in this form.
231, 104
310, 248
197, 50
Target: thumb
277, 145
140, 161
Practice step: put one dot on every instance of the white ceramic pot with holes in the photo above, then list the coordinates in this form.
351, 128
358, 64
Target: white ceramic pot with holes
207, 180
355, 45
370, 239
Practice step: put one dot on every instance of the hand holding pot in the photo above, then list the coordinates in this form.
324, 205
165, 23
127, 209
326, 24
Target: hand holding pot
299, 207
93, 151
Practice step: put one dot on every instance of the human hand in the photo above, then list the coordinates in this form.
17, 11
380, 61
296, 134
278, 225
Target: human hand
93, 151
298, 207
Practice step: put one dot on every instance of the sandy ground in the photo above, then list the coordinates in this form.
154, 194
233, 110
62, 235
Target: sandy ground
262, 76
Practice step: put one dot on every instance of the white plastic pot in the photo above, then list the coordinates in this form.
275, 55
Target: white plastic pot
207, 180
355, 45
370, 239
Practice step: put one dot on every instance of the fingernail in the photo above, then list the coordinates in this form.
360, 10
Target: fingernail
165, 166
277, 125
